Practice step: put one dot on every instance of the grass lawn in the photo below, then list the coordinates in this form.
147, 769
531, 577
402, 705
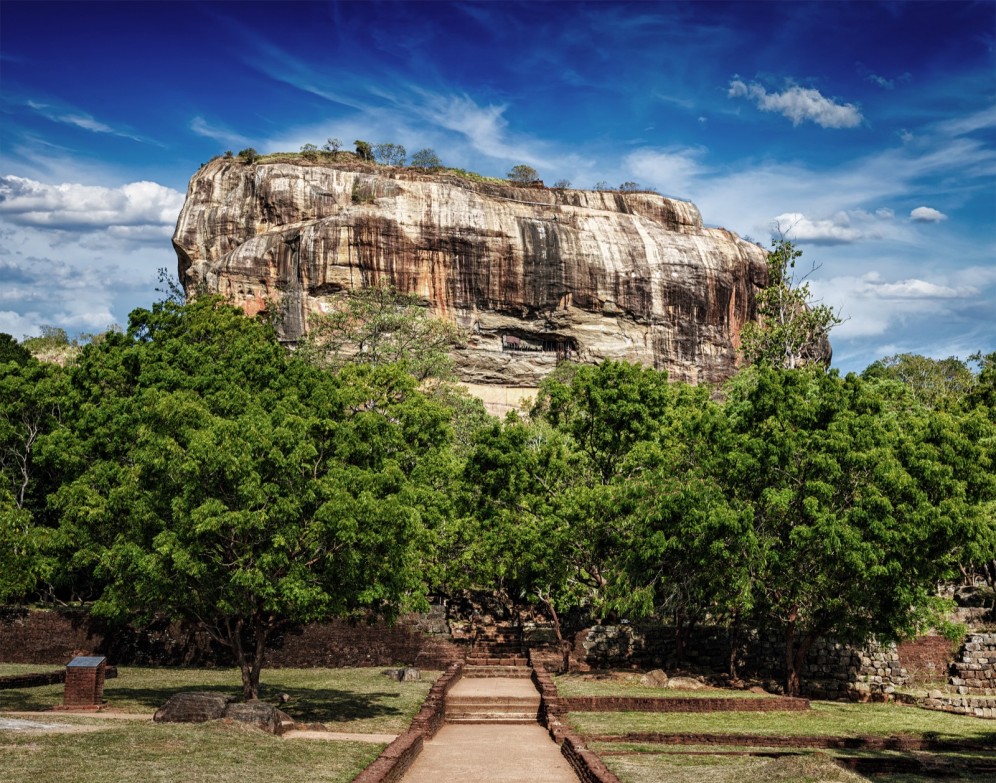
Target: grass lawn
824, 719
101, 750
808, 768
8, 669
355, 700
143, 752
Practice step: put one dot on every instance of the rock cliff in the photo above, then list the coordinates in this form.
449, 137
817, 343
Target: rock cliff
533, 275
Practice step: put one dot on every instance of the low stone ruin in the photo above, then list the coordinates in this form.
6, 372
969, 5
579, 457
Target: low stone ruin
202, 706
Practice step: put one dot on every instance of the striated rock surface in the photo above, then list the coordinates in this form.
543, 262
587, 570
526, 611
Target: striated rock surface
533, 275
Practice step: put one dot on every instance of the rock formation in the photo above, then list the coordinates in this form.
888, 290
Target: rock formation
532, 275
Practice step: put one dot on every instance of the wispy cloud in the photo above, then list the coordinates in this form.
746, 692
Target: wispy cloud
799, 104
202, 127
81, 119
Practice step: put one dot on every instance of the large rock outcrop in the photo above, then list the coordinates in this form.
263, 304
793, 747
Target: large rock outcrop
533, 275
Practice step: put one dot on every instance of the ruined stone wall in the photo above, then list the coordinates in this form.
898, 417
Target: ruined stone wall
832, 670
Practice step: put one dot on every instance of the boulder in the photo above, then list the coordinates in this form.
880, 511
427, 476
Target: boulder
654, 679
685, 683
261, 715
193, 707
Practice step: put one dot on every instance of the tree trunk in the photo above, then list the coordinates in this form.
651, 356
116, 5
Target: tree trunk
249, 652
565, 649
791, 672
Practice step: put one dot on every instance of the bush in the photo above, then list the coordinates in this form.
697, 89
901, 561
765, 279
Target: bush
363, 150
248, 155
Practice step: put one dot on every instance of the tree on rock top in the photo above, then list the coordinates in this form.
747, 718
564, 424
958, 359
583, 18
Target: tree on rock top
522, 174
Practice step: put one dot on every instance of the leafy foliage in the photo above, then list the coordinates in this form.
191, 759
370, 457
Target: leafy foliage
791, 329
390, 154
226, 483
380, 326
426, 159
364, 151
522, 174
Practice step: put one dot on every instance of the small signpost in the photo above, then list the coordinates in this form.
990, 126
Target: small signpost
84, 683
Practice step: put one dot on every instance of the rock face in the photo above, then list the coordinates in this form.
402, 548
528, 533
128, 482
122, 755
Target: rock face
532, 275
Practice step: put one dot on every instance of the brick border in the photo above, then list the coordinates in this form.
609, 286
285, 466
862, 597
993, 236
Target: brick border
682, 704
585, 762
866, 742
394, 761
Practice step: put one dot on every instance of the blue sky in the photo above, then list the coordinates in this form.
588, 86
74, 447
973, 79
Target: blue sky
865, 131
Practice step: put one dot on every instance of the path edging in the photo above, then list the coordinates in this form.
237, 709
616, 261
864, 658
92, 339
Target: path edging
585, 762
394, 761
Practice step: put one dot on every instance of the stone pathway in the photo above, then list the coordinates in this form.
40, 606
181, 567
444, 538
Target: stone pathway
491, 735
490, 753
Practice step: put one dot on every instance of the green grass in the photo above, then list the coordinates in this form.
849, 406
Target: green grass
139, 752
629, 685
824, 719
9, 669
815, 768
355, 700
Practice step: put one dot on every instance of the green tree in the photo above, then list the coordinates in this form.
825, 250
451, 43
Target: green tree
363, 150
935, 383
562, 184
333, 146
248, 155
227, 484
309, 151
426, 159
381, 326
390, 154
791, 330
854, 515
12, 351
522, 174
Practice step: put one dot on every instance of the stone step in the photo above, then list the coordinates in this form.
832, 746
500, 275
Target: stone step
475, 670
508, 720
492, 703
496, 660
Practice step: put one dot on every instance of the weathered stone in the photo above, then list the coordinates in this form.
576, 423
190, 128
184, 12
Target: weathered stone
195, 707
404, 674
685, 683
655, 679
261, 715
532, 275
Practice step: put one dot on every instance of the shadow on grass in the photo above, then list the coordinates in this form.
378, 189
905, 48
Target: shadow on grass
310, 705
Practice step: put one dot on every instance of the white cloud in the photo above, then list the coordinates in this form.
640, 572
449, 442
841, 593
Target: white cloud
842, 227
25, 201
80, 119
927, 215
799, 104
671, 171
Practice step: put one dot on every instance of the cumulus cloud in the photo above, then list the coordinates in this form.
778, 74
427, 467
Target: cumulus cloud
927, 215
799, 104
842, 227
28, 202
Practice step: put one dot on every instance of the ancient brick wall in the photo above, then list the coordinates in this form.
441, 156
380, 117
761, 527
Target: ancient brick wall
54, 637
926, 659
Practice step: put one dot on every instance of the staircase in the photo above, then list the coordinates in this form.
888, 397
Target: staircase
497, 652
496, 687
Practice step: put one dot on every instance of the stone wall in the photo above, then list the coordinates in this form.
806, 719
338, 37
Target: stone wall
974, 670
832, 670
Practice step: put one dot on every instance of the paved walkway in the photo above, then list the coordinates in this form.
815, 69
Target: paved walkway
491, 752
